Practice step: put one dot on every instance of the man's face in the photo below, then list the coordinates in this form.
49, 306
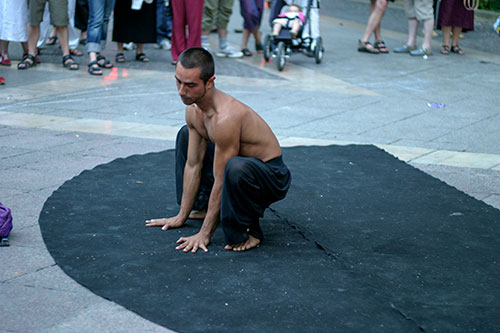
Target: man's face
190, 87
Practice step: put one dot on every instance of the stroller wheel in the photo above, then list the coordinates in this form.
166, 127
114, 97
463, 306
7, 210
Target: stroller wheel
281, 55
318, 51
268, 48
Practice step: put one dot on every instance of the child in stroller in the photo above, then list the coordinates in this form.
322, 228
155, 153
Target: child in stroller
293, 31
292, 19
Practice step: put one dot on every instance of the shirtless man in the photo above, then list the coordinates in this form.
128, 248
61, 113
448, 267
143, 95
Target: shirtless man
228, 161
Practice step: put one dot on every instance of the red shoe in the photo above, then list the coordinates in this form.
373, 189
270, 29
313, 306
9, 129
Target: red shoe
2, 80
5, 61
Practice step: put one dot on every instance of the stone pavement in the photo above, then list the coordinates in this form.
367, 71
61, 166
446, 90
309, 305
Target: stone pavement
55, 123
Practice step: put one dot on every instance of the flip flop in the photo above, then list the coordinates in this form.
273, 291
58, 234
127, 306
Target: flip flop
51, 40
75, 52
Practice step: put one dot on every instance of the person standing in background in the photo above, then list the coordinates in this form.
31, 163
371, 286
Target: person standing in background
251, 11
134, 25
377, 11
217, 13
185, 13
99, 13
454, 18
13, 27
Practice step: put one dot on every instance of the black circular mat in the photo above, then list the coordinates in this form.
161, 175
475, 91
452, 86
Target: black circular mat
362, 242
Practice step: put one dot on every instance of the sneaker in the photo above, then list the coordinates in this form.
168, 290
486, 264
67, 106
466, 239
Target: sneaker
165, 44
206, 47
229, 52
129, 46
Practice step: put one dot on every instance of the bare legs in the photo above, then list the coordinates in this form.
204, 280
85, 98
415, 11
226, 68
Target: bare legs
246, 36
454, 42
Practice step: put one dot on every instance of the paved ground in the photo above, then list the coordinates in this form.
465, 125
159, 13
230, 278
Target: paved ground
54, 124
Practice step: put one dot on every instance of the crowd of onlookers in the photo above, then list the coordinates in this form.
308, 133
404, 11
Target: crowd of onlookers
170, 24
176, 25
453, 17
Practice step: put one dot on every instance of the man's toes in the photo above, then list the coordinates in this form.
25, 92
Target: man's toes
228, 247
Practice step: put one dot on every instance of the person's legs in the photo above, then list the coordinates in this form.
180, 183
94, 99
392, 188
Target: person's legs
377, 10
194, 17
428, 28
250, 186
445, 49
94, 32
455, 48
412, 32
208, 21
207, 177
178, 28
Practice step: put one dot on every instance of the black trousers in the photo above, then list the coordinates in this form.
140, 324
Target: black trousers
250, 186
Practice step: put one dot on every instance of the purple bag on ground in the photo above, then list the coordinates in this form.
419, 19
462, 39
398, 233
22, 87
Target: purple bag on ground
5, 225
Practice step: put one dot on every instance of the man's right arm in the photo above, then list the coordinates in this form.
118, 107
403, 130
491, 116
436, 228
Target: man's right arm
197, 146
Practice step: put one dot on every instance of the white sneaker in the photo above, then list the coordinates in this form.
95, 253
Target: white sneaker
229, 52
206, 47
165, 44
129, 46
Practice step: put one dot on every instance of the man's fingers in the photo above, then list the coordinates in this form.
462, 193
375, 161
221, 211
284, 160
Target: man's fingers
195, 248
203, 247
165, 227
180, 240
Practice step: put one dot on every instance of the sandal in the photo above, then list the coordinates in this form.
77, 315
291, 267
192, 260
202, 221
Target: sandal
51, 40
367, 47
445, 49
120, 57
94, 68
103, 62
457, 49
259, 48
25, 64
69, 63
381, 47
246, 52
5, 61
75, 52
37, 58
141, 57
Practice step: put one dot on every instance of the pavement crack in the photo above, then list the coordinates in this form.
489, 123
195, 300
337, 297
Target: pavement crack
304, 233
406, 317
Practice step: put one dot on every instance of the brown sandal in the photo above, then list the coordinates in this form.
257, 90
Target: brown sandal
367, 47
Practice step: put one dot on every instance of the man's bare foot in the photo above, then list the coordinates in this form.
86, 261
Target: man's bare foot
198, 214
249, 244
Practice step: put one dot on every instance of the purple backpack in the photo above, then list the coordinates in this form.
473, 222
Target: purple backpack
5, 225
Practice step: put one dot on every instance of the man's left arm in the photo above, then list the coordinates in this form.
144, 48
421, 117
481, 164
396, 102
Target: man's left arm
227, 145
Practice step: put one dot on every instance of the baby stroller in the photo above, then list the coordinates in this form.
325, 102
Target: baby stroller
308, 40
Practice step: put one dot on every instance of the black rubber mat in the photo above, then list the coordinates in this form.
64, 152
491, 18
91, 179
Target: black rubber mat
363, 242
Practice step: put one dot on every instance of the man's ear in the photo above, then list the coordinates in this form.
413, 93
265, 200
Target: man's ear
210, 82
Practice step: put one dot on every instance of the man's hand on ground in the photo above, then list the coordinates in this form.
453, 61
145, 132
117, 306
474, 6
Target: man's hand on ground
171, 222
193, 243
